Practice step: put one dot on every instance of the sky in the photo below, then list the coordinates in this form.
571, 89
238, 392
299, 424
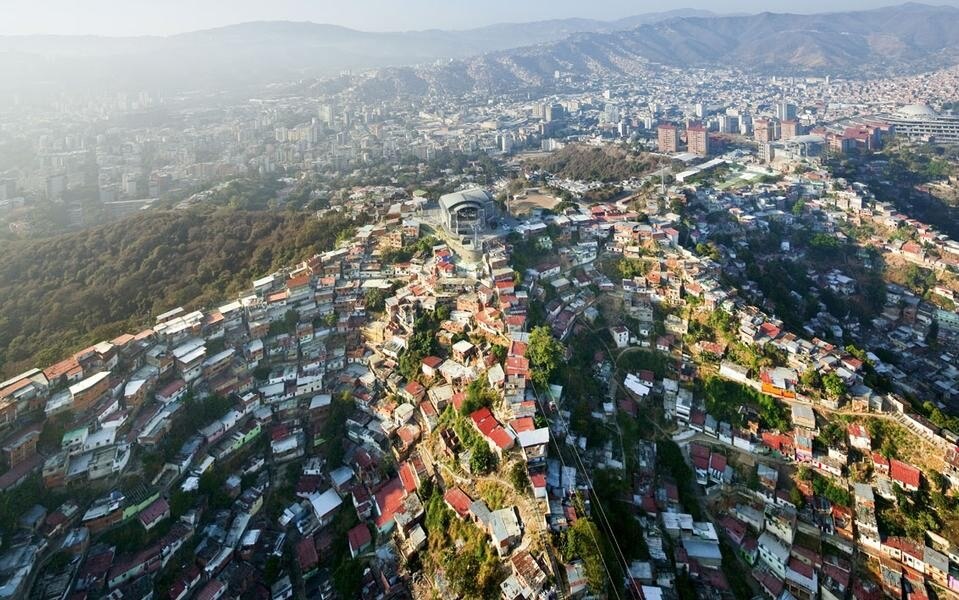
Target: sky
164, 17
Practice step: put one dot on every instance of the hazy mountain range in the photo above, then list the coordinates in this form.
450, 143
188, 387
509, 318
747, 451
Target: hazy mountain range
907, 38
910, 36
265, 51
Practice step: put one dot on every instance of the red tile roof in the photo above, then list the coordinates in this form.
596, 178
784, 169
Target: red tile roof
295, 282
522, 424
800, 567
407, 477
432, 362
517, 365
211, 590
61, 368
487, 424
701, 463
717, 462
484, 420
414, 388
359, 536
880, 460
427, 407
172, 388
306, 554
857, 430
517, 348
770, 330
501, 438
389, 498
905, 474
698, 450
458, 501
157, 510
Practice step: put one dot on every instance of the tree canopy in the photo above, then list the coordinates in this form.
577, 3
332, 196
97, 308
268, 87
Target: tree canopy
65, 292
611, 163
545, 354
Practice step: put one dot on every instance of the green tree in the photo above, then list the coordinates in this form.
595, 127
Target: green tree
482, 459
334, 431
545, 354
583, 542
810, 379
796, 497
68, 291
421, 343
833, 386
375, 299
478, 395
519, 477
290, 320
832, 434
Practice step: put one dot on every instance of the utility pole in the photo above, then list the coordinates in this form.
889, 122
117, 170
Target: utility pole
662, 180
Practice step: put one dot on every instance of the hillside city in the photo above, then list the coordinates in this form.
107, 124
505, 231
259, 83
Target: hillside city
689, 334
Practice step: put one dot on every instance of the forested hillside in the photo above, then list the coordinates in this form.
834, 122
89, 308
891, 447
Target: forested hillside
591, 163
61, 293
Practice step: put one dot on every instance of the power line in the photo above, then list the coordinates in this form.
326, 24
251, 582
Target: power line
589, 482
599, 504
602, 511
559, 453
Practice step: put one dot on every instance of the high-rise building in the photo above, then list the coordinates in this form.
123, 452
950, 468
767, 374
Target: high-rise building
697, 139
553, 112
766, 152
786, 111
326, 112
728, 124
700, 110
764, 130
667, 137
610, 113
790, 129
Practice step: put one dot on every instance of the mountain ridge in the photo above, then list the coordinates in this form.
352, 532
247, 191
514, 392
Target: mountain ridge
911, 37
907, 37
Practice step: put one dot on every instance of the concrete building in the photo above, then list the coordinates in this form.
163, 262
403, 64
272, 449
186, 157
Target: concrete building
790, 129
667, 137
920, 122
697, 139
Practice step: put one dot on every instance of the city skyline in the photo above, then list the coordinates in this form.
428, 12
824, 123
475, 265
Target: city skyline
113, 18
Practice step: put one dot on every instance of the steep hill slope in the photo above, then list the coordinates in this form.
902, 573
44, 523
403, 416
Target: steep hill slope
64, 292
910, 37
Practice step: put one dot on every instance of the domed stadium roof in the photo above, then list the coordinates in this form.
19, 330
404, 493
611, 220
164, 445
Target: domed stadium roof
916, 110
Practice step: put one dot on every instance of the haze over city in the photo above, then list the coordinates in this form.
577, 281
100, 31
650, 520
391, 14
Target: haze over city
528, 300
144, 17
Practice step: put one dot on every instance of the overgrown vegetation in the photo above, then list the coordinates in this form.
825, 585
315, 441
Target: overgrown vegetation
545, 354
460, 549
418, 248
725, 398
65, 292
422, 343
670, 462
590, 163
